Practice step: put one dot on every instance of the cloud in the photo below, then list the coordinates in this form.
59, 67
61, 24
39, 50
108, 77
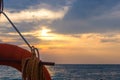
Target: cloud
53, 40
90, 17
70, 16
82, 9
1, 41
32, 17
111, 38
87, 30
20, 5
41, 14
39, 10
85, 48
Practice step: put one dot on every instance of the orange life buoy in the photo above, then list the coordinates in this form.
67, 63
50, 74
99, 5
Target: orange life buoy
12, 55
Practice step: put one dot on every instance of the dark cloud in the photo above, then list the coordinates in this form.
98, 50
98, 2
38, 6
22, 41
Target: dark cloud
34, 24
84, 16
24, 26
110, 40
27, 26
105, 19
20, 4
25, 4
76, 27
82, 9
17, 40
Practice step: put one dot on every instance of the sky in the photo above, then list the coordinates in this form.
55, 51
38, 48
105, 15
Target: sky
66, 31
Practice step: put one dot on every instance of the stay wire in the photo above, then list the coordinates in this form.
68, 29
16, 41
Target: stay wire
16, 29
13, 25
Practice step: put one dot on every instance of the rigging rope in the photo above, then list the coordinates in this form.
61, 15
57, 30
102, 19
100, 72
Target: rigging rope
16, 29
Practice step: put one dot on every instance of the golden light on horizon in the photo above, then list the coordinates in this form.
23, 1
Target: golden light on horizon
51, 39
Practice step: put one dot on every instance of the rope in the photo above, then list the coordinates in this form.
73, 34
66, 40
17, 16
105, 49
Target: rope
32, 69
16, 29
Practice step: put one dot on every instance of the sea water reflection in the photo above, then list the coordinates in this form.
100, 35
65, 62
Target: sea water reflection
70, 72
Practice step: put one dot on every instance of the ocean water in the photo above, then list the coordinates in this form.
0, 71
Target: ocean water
70, 72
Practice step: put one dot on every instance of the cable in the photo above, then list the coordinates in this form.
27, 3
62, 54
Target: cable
1, 12
16, 29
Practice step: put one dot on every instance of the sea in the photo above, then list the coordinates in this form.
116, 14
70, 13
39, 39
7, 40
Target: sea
71, 72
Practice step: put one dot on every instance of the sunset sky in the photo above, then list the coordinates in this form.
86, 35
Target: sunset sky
66, 31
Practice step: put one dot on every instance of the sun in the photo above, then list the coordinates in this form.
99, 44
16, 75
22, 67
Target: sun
45, 32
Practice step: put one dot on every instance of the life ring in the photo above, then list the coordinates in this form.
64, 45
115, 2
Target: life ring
12, 55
